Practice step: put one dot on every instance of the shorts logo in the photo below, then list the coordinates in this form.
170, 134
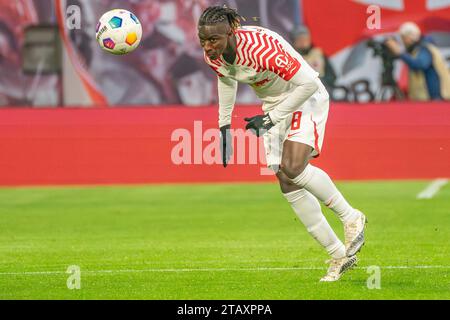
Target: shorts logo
289, 65
292, 134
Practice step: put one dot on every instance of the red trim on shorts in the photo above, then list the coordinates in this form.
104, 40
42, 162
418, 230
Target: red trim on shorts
316, 139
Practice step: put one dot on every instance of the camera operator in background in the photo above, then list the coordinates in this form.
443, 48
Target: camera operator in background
429, 77
301, 41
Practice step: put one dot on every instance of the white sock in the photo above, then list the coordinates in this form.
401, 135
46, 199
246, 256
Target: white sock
308, 210
320, 185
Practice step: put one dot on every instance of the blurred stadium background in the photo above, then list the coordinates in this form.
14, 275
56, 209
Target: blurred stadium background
72, 115
102, 112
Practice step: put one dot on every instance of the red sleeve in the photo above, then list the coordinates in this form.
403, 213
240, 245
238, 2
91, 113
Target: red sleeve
269, 54
281, 61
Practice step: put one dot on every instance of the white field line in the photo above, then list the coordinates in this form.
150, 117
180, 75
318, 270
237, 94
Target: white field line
433, 188
168, 270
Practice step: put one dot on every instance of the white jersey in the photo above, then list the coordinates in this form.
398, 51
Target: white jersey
266, 62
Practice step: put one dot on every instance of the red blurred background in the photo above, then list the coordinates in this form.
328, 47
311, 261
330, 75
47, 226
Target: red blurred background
134, 145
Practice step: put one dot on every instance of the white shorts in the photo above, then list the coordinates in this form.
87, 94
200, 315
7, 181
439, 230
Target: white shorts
305, 125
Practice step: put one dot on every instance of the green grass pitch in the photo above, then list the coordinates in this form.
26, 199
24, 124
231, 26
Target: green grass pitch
220, 241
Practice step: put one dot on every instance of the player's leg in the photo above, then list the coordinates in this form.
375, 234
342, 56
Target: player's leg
308, 210
304, 140
304, 204
295, 165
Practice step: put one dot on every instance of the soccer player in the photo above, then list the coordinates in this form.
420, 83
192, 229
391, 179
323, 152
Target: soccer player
295, 106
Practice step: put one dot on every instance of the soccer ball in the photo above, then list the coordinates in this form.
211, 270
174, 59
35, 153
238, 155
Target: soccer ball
119, 32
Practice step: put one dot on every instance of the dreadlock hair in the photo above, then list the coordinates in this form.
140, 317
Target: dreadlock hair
216, 14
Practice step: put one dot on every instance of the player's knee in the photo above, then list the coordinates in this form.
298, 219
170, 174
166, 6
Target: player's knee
292, 168
286, 184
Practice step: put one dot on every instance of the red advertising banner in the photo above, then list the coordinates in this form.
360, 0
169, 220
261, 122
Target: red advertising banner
177, 144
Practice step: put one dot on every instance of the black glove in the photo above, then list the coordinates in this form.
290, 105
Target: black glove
259, 123
226, 144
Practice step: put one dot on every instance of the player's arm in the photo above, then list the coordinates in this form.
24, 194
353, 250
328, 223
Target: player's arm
306, 86
227, 89
287, 67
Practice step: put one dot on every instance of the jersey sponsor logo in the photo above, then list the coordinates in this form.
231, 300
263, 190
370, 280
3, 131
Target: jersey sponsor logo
284, 65
282, 61
289, 65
